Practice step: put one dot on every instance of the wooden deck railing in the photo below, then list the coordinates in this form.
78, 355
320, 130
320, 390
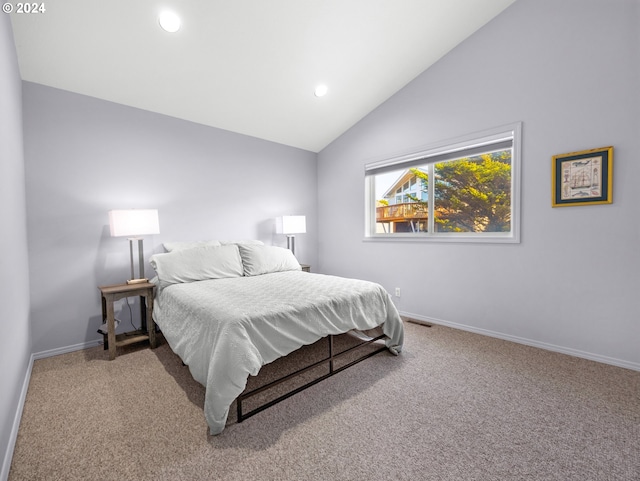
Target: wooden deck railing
400, 212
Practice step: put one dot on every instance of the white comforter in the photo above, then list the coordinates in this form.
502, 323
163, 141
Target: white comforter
227, 329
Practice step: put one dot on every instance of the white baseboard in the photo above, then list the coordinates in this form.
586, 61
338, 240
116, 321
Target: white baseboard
8, 456
528, 342
64, 350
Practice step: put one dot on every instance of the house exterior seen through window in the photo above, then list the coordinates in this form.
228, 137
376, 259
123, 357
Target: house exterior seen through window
463, 191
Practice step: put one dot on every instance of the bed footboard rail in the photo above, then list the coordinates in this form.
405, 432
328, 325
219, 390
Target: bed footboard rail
330, 359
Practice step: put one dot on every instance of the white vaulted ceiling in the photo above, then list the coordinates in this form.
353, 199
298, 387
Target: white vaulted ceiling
248, 66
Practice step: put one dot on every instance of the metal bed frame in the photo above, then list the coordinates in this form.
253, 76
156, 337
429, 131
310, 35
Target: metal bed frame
330, 359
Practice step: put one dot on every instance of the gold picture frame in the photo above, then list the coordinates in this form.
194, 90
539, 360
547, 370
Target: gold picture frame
582, 178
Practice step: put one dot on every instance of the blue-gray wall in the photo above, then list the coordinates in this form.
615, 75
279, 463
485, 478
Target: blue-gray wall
569, 70
15, 341
86, 156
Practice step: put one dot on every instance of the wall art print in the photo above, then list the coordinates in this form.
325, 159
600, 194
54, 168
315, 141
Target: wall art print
582, 178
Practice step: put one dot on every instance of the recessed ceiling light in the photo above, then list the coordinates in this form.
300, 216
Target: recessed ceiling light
320, 91
169, 21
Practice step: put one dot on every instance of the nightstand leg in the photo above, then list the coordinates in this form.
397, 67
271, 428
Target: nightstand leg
151, 326
105, 339
111, 329
144, 307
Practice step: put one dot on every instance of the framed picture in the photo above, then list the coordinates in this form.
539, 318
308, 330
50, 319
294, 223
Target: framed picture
582, 178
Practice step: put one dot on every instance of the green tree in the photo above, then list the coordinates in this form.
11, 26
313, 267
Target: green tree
472, 194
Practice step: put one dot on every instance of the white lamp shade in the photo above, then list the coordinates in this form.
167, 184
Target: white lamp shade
292, 224
133, 222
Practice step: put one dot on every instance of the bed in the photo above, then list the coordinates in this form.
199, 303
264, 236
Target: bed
228, 309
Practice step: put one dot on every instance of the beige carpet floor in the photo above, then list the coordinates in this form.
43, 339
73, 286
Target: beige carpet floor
453, 406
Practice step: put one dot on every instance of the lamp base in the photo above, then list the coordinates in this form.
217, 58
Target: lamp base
137, 281
291, 243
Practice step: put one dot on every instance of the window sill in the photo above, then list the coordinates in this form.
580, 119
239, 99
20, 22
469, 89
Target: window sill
444, 239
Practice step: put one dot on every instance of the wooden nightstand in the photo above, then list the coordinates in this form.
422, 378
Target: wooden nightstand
306, 267
109, 295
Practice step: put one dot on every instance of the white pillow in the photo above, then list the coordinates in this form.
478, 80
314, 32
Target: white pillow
261, 259
178, 246
197, 264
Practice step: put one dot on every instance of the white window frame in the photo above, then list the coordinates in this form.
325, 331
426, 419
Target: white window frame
467, 145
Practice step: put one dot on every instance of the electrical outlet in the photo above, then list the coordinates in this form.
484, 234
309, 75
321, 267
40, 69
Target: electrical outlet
397, 292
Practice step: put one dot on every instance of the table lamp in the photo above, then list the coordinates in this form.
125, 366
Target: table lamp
290, 225
134, 223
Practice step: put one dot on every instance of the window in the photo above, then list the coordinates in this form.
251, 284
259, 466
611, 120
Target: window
466, 190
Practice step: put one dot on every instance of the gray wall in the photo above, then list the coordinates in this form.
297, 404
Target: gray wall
86, 156
569, 71
15, 341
